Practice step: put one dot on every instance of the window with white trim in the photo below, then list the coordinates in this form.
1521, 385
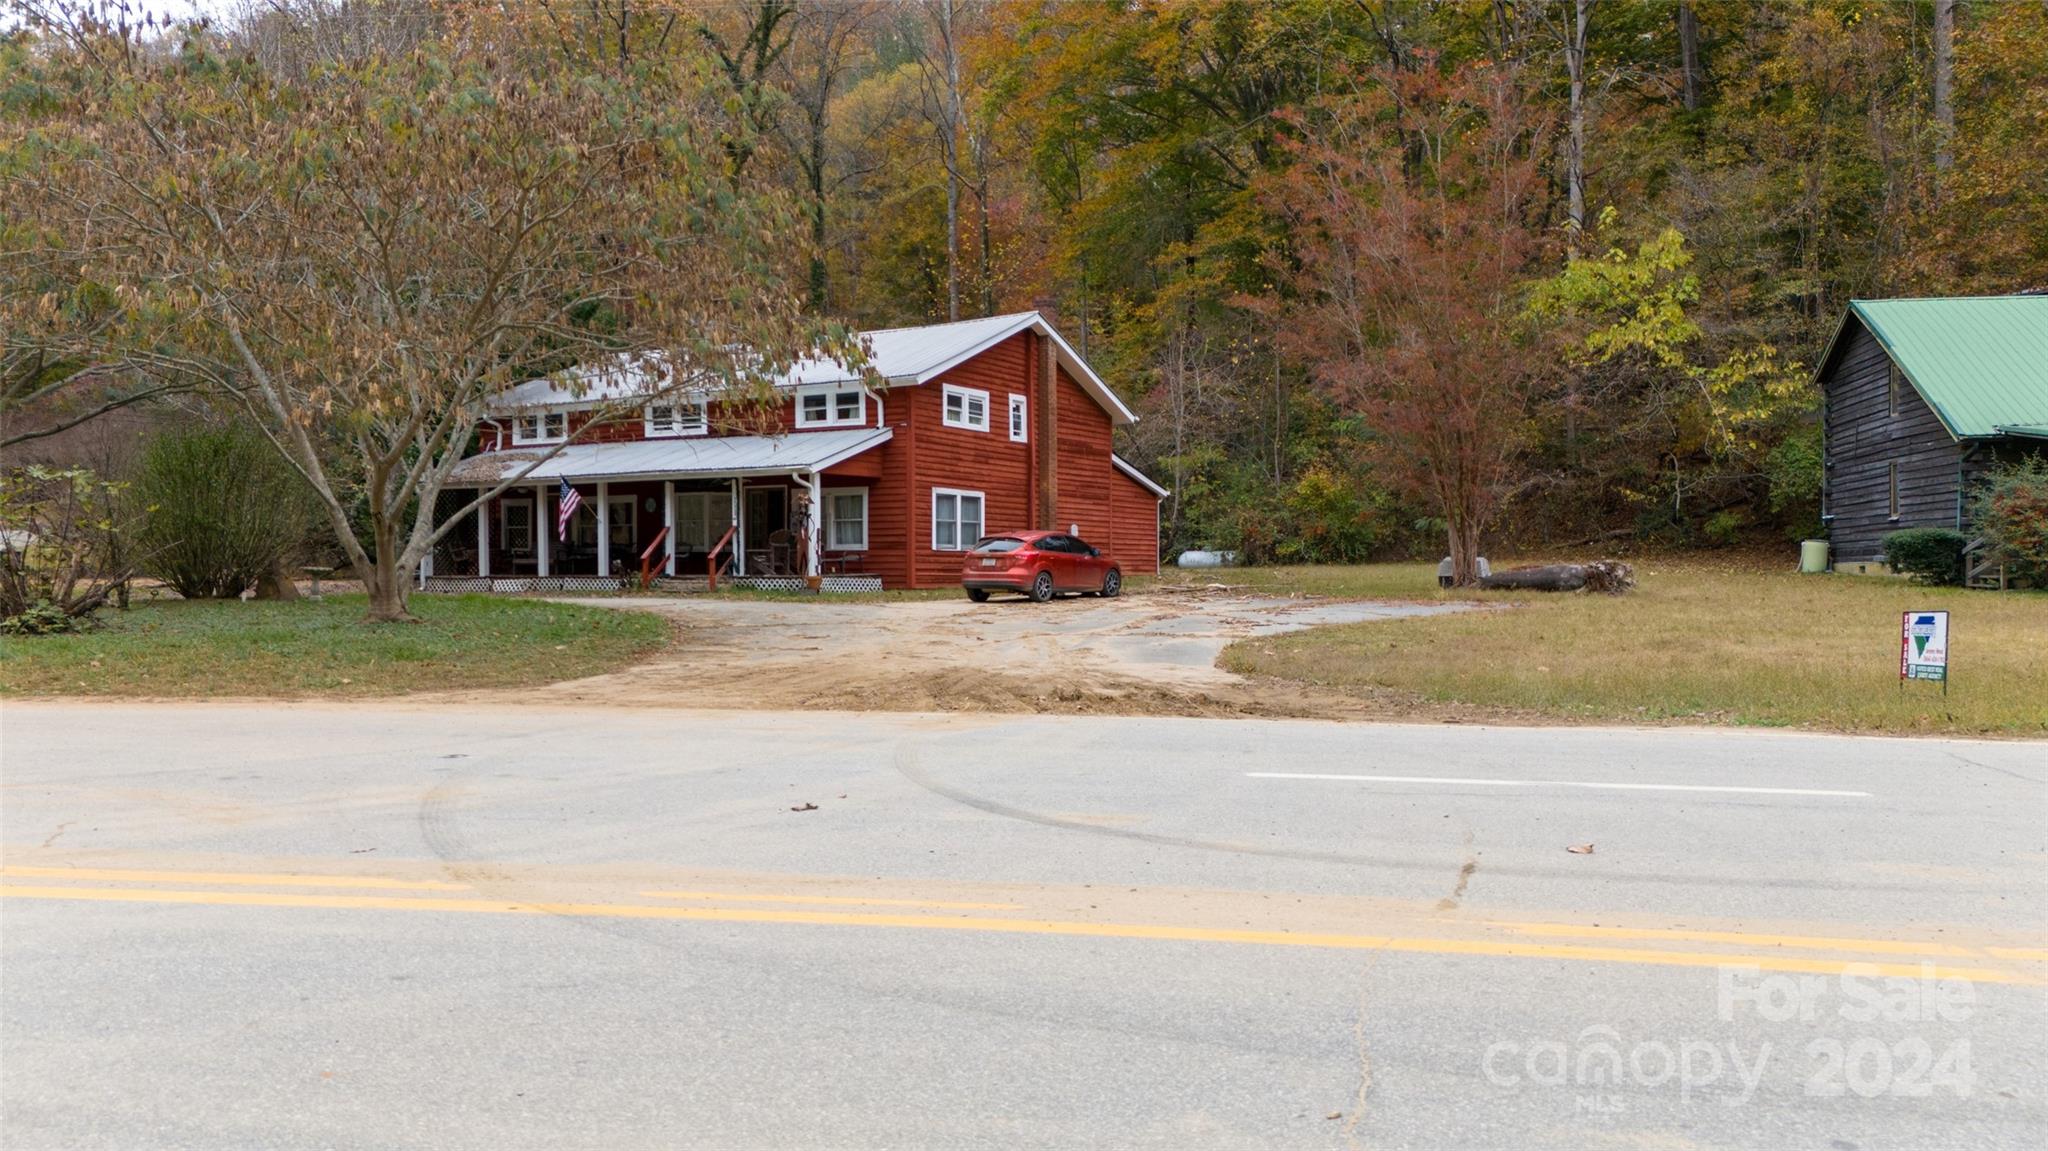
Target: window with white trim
966, 408
1019, 424
846, 519
676, 416
956, 519
515, 526
831, 406
541, 428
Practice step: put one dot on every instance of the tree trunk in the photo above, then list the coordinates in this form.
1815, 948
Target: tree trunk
1461, 526
387, 581
952, 149
1689, 56
1944, 84
1575, 148
817, 181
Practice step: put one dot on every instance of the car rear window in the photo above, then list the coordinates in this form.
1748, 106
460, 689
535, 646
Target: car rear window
998, 545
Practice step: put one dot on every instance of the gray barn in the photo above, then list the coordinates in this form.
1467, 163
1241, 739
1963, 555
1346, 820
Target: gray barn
1921, 397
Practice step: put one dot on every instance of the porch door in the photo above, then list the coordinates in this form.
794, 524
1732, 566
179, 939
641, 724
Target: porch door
701, 520
767, 511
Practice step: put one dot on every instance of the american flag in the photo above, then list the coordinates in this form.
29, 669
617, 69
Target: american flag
571, 500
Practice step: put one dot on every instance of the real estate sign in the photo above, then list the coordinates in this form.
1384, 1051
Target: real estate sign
1923, 645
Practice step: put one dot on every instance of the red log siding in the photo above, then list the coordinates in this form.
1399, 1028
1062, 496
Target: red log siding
1086, 477
1134, 525
986, 462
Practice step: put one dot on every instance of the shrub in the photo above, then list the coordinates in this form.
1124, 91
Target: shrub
224, 509
2011, 512
46, 618
1929, 555
63, 548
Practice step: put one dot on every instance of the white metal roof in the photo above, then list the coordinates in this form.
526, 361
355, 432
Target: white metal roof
902, 356
658, 459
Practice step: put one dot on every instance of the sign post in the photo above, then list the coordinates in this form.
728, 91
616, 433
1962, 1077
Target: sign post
1923, 647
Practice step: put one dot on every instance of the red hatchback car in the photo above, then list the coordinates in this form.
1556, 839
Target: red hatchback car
1039, 565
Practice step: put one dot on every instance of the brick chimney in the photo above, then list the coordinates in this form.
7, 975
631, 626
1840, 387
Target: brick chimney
1046, 435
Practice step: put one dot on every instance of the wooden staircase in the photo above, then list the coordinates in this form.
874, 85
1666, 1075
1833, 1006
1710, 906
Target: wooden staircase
1983, 567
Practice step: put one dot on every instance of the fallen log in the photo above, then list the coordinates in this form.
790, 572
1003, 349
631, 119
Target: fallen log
1610, 577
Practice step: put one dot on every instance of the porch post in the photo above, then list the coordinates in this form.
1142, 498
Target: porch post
483, 538
604, 529
813, 516
542, 525
668, 524
739, 529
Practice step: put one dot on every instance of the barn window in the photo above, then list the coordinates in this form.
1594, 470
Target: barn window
1894, 489
1893, 390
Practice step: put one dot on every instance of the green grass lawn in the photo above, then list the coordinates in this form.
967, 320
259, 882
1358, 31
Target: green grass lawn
180, 648
1695, 641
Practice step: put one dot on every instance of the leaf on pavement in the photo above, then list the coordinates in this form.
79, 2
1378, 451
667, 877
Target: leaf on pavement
1580, 849
805, 807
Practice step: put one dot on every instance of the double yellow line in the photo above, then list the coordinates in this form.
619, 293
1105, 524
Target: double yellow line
1832, 955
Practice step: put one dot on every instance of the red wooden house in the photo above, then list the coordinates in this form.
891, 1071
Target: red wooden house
984, 426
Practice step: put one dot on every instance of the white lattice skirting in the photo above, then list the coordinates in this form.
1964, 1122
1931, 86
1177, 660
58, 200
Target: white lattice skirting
502, 585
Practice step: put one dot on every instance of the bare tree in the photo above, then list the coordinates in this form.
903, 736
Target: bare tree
1688, 56
826, 41
939, 63
1944, 84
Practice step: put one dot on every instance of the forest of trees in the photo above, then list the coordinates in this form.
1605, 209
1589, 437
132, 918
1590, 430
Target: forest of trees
1372, 271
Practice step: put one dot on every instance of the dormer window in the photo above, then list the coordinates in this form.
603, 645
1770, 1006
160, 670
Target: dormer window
541, 428
831, 406
966, 408
677, 417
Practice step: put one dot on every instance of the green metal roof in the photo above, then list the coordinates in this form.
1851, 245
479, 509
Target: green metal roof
1981, 362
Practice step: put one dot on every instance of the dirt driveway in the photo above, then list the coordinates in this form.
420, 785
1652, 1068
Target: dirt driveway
1149, 653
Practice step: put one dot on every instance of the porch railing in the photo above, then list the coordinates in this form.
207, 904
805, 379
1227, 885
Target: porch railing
647, 558
711, 561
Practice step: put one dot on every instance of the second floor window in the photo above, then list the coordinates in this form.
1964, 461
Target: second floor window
677, 417
541, 428
832, 405
966, 408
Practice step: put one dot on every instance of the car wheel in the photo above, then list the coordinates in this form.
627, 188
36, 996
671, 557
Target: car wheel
1112, 584
978, 595
1041, 588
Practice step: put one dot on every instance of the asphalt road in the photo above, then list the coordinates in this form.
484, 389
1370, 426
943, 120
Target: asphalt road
395, 926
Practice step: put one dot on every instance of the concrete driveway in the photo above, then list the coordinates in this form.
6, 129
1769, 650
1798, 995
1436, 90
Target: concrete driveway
1152, 653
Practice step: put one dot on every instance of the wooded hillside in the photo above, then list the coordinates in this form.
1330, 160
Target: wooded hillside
1371, 270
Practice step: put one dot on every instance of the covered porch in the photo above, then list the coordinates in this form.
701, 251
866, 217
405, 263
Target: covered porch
757, 510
